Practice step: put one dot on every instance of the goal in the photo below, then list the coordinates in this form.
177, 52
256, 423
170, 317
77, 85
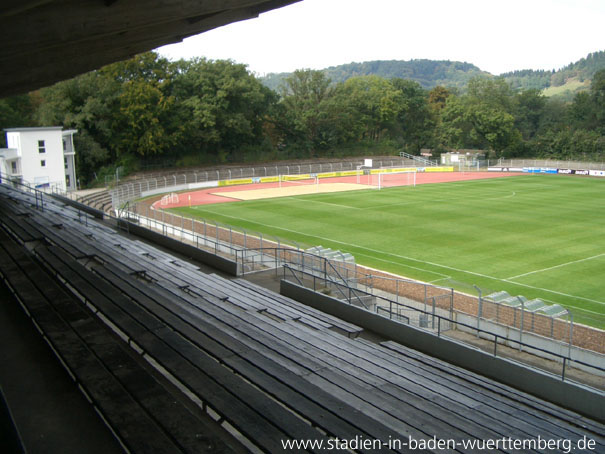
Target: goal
169, 199
293, 180
386, 179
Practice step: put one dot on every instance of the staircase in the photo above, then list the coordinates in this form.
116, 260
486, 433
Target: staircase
418, 159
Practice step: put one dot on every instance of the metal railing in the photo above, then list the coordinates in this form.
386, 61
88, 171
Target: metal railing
135, 187
131, 190
324, 275
236, 238
419, 159
439, 323
224, 239
551, 163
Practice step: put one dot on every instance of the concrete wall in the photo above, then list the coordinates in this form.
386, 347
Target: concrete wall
208, 258
575, 397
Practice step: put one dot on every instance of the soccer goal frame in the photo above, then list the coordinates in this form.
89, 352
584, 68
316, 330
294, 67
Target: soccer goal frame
364, 171
384, 177
169, 199
307, 179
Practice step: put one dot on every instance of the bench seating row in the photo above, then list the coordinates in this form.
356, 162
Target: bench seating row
269, 367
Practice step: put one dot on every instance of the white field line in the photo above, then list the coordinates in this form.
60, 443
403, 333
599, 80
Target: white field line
556, 266
414, 260
348, 207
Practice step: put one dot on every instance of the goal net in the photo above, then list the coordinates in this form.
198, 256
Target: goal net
169, 199
293, 180
385, 179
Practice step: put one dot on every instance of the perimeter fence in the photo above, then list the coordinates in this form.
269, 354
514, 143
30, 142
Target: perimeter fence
437, 309
470, 305
557, 164
137, 188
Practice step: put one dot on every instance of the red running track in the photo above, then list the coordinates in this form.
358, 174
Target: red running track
209, 195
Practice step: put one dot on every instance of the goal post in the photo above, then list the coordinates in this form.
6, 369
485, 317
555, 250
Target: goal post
292, 180
388, 179
169, 199
363, 174
364, 169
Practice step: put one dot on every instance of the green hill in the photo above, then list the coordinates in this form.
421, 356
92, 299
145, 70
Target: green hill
430, 73
427, 73
564, 82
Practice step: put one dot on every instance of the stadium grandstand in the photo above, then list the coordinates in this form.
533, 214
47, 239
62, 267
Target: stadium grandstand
176, 357
112, 342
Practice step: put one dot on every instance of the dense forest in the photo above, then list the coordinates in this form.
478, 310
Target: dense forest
149, 111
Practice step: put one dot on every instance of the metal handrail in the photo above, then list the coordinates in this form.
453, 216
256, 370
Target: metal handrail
424, 161
496, 337
354, 289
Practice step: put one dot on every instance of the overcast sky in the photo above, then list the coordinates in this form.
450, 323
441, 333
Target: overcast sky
495, 35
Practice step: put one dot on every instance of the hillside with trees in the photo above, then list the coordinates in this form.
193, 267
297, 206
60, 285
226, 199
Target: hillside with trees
428, 73
150, 112
565, 82
451, 74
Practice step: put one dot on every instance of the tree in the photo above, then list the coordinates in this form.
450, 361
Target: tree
222, 107
144, 122
306, 105
482, 118
415, 121
528, 110
16, 111
88, 103
437, 98
469, 122
143, 125
377, 103
597, 93
495, 93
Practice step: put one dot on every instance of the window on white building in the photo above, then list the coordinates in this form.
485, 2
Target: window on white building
43, 163
67, 181
41, 146
64, 145
14, 167
65, 160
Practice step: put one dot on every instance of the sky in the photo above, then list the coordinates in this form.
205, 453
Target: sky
495, 35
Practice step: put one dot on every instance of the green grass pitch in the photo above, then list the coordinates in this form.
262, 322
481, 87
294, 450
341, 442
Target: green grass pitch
542, 236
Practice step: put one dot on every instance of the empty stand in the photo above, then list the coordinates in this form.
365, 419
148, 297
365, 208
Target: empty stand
133, 324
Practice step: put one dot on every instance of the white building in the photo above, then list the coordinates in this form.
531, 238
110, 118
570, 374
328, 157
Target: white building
43, 157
